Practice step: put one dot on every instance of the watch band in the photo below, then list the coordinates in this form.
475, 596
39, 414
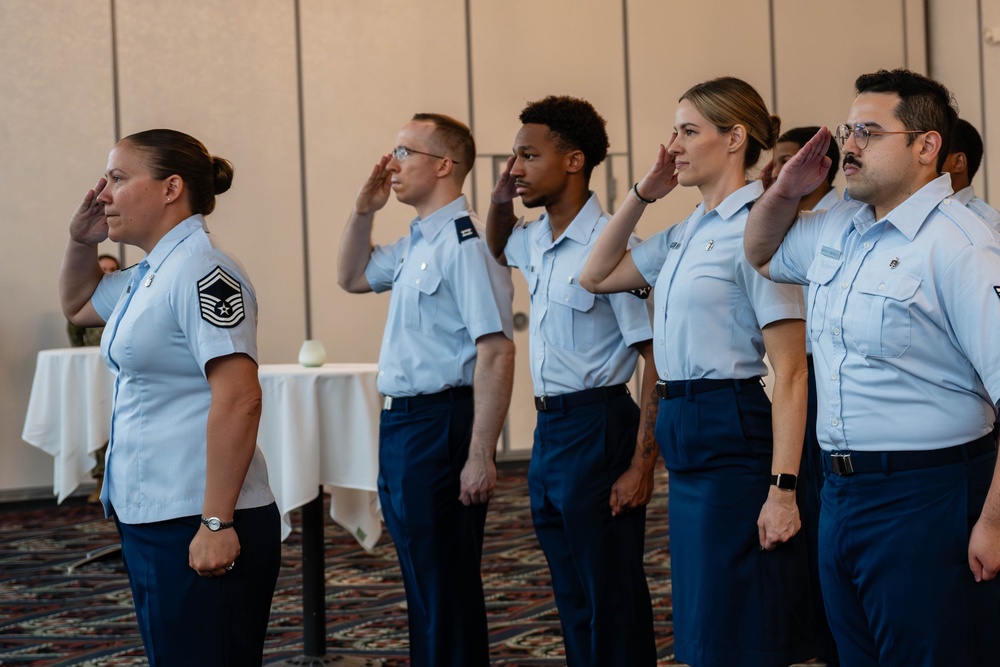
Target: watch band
216, 524
784, 480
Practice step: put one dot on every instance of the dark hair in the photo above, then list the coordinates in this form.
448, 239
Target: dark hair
575, 124
453, 138
728, 101
924, 104
171, 152
801, 135
965, 139
111, 257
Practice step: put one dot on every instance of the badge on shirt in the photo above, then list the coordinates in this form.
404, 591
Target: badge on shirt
221, 298
466, 230
642, 292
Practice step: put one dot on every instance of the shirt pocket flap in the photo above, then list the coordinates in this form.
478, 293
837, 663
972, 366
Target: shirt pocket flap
424, 280
895, 285
822, 270
575, 297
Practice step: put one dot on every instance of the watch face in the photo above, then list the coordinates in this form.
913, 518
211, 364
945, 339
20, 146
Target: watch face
214, 524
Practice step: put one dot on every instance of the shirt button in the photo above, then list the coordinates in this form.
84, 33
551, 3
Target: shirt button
844, 285
868, 245
834, 422
947, 201
538, 356
381, 373
836, 331
418, 281
566, 298
423, 266
882, 286
833, 376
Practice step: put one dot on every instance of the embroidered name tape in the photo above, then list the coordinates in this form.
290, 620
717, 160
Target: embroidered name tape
827, 251
221, 299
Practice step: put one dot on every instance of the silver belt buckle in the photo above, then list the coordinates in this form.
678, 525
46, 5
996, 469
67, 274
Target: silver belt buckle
387, 403
842, 464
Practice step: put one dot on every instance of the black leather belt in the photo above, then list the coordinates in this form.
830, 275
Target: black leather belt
407, 403
851, 463
679, 388
578, 398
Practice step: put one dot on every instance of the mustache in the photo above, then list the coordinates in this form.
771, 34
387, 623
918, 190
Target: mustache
850, 159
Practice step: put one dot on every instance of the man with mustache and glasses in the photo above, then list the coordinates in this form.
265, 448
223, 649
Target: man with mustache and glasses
964, 158
448, 333
904, 303
592, 448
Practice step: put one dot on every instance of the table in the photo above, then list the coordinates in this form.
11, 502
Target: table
318, 433
69, 413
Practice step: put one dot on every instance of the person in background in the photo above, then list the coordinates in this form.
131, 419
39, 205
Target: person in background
738, 570
91, 337
964, 158
592, 448
446, 369
811, 480
903, 287
185, 482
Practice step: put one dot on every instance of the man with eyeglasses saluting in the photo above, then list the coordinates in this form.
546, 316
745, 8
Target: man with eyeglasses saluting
446, 370
903, 311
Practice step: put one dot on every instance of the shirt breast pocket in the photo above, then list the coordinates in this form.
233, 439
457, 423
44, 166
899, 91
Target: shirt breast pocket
882, 324
418, 298
820, 275
572, 326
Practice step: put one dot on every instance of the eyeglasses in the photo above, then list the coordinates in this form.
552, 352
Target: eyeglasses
403, 152
862, 134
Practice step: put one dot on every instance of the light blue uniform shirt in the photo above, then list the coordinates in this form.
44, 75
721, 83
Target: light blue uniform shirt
186, 303
831, 198
578, 340
968, 197
903, 317
709, 303
447, 291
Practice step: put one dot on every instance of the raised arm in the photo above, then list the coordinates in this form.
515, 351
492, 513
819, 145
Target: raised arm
81, 272
356, 242
492, 384
773, 214
785, 341
501, 219
610, 267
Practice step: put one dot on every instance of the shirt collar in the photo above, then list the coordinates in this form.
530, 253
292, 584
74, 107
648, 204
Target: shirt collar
909, 216
172, 239
735, 202
432, 225
965, 195
580, 230
828, 200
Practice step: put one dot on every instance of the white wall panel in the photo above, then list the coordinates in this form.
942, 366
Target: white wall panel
56, 126
368, 67
991, 98
224, 72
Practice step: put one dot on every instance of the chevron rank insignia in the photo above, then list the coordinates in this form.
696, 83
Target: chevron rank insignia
466, 230
642, 292
221, 298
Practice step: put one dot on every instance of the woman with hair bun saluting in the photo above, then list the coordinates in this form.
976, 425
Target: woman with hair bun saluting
184, 480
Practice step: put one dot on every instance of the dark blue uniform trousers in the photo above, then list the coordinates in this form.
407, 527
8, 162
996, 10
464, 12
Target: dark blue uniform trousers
733, 603
185, 619
894, 564
810, 487
439, 541
595, 559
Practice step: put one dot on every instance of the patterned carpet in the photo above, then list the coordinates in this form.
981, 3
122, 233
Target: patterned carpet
49, 618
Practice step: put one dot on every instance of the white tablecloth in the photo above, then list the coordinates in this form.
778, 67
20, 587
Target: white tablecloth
69, 412
319, 426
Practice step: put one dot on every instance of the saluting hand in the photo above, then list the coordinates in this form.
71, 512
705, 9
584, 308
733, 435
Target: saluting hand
505, 190
375, 192
661, 178
807, 169
89, 224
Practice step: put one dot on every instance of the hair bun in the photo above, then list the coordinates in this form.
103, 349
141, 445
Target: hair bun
223, 169
772, 138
